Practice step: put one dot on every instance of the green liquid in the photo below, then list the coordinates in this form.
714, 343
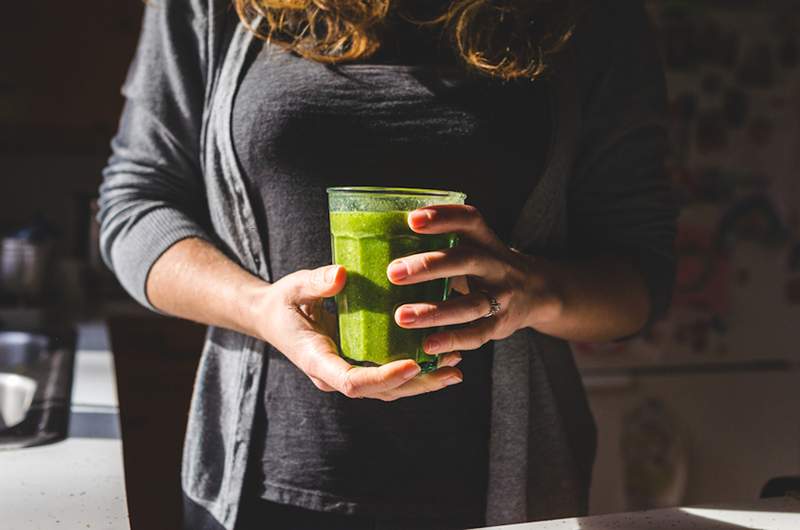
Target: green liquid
365, 243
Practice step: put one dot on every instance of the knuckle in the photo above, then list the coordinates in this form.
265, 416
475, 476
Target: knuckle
432, 315
478, 338
309, 366
473, 343
296, 287
426, 263
471, 259
436, 384
451, 342
475, 216
312, 366
475, 305
320, 384
349, 387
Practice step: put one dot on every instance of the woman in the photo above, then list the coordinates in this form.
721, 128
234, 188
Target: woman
549, 117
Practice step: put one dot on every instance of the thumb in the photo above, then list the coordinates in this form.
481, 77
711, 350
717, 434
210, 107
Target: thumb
309, 285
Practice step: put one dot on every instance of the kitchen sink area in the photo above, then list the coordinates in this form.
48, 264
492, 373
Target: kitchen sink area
60, 447
36, 370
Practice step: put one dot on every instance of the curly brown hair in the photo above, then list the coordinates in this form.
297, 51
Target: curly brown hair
503, 38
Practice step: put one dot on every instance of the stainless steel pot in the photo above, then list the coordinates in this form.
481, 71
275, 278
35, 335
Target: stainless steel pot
23, 266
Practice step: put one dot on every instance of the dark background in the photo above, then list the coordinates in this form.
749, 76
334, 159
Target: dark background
718, 377
62, 67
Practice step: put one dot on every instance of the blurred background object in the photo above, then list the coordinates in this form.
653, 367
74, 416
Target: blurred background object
723, 364
59, 107
24, 261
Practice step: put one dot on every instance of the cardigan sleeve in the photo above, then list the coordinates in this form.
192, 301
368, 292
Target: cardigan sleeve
152, 194
620, 198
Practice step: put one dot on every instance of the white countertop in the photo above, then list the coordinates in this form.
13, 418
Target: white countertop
74, 484
94, 384
77, 483
765, 514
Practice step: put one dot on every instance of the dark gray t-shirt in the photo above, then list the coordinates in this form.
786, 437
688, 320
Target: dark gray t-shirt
408, 117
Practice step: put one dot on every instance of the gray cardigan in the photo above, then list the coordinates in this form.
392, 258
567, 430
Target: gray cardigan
173, 175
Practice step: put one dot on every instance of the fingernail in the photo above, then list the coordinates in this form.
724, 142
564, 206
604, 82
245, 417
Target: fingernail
419, 218
411, 371
406, 316
452, 360
397, 270
431, 346
452, 380
330, 274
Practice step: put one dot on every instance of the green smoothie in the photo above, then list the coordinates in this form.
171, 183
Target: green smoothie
365, 242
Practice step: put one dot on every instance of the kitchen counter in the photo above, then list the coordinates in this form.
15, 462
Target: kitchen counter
765, 514
77, 483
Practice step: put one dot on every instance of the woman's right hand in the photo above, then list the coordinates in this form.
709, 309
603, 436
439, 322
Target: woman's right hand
289, 315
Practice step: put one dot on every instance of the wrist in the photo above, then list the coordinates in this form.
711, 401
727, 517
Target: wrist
546, 292
253, 303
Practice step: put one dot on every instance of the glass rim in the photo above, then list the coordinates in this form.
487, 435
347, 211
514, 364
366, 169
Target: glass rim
395, 192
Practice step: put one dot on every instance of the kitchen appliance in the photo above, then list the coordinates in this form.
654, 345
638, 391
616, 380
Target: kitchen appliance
23, 267
25, 256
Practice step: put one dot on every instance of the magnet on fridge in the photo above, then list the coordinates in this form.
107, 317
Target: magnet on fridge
753, 218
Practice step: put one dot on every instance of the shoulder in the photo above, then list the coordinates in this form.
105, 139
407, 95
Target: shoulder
193, 17
183, 34
198, 15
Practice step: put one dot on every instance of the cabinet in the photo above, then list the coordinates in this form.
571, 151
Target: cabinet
741, 427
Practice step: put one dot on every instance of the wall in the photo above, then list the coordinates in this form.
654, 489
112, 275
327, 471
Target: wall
63, 65
724, 365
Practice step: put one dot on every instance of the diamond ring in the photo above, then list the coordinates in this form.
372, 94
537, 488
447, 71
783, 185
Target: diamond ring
494, 305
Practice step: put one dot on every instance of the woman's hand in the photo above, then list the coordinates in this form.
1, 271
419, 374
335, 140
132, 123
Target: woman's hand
290, 317
481, 267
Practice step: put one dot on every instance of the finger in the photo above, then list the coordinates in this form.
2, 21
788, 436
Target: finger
355, 381
307, 286
456, 261
322, 385
467, 338
459, 284
449, 359
453, 311
436, 380
463, 219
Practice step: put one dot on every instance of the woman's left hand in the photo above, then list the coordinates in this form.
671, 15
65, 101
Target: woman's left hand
481, 267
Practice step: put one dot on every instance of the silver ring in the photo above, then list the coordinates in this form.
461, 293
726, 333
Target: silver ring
494, 305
